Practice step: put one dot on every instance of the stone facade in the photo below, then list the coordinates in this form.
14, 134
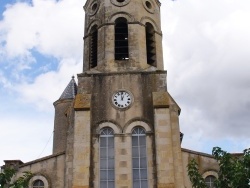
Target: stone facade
80, 117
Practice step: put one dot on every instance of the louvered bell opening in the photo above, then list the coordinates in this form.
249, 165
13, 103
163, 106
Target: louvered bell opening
150, 44
121, 39
93, 48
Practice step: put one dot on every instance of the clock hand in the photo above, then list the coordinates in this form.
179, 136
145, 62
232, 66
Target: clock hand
122, 95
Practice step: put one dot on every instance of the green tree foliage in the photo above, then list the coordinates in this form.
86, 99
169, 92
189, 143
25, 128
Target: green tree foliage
233, 172
21, 182
195, 176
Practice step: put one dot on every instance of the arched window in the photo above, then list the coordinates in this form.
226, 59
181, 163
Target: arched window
209, 180
121, 39
107, 161
38, 184
139, 158
150, 44
93, 46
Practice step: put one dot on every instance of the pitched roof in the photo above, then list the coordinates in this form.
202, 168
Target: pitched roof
70, 91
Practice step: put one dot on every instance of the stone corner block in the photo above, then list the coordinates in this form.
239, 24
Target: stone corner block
82, 102
160, 100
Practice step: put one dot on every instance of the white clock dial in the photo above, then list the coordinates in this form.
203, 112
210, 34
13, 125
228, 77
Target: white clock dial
122, 99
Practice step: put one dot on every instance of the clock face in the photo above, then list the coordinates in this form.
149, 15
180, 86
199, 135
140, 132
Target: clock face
122, 99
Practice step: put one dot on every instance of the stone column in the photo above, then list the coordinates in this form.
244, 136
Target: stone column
82, 143
167, 142
164, 150
177, 154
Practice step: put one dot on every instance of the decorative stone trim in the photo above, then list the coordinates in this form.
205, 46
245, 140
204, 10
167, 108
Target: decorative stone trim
93, 8
130, 127
149, 6
146, 19
94, 22
120, 3
126, 15
210, 173
39, 177
116, 129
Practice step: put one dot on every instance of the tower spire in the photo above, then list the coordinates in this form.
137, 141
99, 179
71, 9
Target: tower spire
70, 91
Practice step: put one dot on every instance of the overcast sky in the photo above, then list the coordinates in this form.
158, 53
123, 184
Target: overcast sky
206, 53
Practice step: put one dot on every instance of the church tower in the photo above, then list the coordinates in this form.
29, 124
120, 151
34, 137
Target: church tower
125, 129
118, 127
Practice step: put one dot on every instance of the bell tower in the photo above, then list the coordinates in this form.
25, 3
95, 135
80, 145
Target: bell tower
125, 131
122, 35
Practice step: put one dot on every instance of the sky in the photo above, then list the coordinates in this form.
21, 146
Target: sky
206, 53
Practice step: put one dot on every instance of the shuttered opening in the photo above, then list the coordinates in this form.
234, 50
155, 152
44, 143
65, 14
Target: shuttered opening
93, 47
121, 39
150, 43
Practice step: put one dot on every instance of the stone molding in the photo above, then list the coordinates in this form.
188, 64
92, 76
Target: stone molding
39, 177
210, 173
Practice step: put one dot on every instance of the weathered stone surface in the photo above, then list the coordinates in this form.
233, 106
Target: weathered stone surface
82, 102
160, 99
78, 121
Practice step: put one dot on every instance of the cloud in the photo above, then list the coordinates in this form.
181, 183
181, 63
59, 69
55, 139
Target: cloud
49, 26
40, 49
51, 29
206, 52
48, 87
207, 58
25, 136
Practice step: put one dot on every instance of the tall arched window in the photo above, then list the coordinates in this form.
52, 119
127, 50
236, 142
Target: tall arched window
38, 184
121, 39
209, 180
93, 46
150, 44
139, 158
107, 161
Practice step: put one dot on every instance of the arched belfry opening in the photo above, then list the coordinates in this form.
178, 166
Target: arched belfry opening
93, 46
150, 44
121, 39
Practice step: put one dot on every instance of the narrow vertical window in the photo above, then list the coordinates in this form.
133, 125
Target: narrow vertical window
150, 45
139, 158
107, 162
93, 46
121, 39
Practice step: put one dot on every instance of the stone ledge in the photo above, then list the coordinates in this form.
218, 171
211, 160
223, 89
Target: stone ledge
89, 73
